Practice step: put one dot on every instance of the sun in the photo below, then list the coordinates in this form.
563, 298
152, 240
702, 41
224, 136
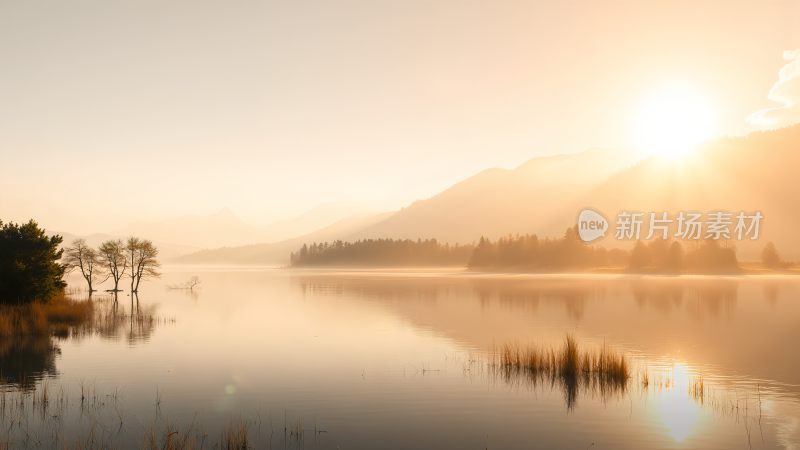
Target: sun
671, 121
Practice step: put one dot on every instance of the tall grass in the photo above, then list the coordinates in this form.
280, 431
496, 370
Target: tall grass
235, 437
35, 418
55, 316
601, 370
569, 361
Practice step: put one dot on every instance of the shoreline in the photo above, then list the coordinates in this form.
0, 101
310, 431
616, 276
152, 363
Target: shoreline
462, 272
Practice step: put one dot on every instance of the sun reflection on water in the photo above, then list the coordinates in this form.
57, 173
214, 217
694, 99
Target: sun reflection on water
675, 408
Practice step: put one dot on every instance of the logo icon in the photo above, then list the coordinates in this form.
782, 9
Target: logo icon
591, 225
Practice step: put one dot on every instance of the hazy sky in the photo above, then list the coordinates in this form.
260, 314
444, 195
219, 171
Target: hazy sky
114, 111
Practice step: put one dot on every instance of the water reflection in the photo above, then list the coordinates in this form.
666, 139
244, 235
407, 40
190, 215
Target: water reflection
27, 358
601, 373
134, 325
405, 358
704, 297
679, 412
734, 326
523, 295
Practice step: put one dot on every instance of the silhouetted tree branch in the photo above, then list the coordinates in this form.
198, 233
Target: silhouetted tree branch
142, 257
112, 257
80, 256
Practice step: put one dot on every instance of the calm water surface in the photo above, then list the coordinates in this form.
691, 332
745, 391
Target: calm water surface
400, 359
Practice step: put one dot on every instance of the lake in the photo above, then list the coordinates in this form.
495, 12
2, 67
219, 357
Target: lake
365, 359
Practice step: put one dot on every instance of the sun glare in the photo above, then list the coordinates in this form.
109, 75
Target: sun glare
672, 121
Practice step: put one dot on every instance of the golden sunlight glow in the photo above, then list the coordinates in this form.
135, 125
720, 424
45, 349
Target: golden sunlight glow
679, 414
672, 121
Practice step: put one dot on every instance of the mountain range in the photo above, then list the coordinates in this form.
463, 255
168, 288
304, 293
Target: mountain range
224, 228
757, 172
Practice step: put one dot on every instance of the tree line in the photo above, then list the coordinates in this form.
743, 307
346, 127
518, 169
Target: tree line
33, 264
661, 256
388, 252
531, 253
528, 252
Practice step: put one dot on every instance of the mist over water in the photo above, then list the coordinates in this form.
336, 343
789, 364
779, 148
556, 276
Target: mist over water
402, 358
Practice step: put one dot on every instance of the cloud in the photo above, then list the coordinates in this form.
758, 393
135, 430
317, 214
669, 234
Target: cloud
786, 92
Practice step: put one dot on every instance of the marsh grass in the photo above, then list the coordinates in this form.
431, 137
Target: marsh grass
602, 370
30, 334
235, 436
645, 379
697, 390
605, 374
58, 316
567, 362
37, 418
83, 417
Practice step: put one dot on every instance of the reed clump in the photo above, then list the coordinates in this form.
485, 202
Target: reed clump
235, 437
645, 379
601, 371
697, 390
568, 361
55, 316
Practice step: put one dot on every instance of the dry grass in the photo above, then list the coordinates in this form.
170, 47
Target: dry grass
235, 437
697, 390
645, 379
55, 316
567, 362
602, 372
45, 408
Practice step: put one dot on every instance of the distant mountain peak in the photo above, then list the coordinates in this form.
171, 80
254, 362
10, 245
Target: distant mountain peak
226, 213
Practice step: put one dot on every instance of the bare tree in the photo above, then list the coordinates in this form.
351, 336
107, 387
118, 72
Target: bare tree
190, 284
131, 252
193, 282
142, 256
84, 258
112, 257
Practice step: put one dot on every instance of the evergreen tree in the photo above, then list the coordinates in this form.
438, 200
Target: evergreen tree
674, 263
382, 252
640, 257
29, 263
770, 256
